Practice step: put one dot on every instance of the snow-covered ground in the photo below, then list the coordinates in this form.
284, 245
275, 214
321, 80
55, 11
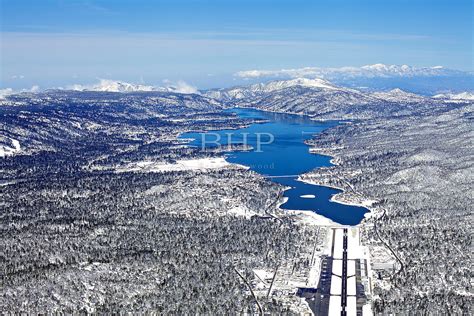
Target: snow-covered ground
351, 284
9, 151
337, 267
351, 306
335, 305
351, 268
338, 198
354, 250
311, 218
336, 285
338, 244
241, 211
466, 96
180, 165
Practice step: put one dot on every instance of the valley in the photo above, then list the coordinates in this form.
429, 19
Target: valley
102, 191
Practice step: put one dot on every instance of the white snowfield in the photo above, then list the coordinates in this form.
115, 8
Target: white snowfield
352, 306
336, 285
10, 151
354, 250
337, 267
351, 283
335, 305
201, 164
241, 211
310, 218
338, 244
351, 268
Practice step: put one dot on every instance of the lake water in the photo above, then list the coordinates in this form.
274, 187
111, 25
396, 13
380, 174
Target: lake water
284, 159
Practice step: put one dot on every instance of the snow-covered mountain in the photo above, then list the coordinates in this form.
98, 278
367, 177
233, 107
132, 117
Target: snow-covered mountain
368, 71
376, 77
319, 97
260, 89
106, 85
467, 96
398, 95
315, 86
49, 120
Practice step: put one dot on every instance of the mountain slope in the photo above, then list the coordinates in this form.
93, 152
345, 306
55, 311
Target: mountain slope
260, 89
69, 119
398, 95
468, 96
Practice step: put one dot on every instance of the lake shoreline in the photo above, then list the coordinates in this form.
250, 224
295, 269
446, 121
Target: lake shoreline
285, 159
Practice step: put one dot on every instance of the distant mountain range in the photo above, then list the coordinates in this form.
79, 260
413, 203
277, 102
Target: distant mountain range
427, 81
316, 86
319, 97
368, 71
120, 86
421, 80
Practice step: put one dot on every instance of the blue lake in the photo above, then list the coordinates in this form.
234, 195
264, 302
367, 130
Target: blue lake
282, 160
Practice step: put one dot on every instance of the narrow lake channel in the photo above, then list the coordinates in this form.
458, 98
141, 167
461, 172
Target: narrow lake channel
286, 157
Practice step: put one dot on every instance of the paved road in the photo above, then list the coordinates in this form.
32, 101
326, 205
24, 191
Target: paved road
320, 299
344, 275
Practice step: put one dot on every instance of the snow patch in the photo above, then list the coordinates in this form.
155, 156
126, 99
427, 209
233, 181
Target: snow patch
310, 218
241, 211
10, 151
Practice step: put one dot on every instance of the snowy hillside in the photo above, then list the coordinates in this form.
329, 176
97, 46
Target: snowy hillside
398, 95
468, 96
242, 92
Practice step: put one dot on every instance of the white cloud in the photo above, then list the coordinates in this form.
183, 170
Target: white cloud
8, 91
35, 88
183, 87
5, 92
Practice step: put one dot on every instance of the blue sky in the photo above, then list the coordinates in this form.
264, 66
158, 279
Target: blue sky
57, 43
